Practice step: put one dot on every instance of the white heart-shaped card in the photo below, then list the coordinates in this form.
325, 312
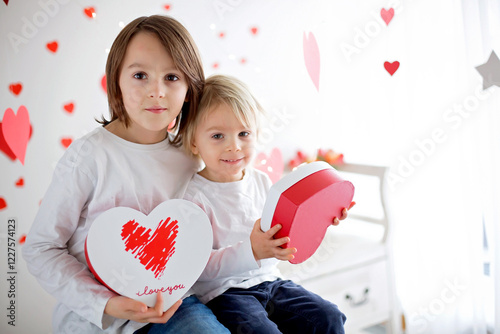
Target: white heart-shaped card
137, 256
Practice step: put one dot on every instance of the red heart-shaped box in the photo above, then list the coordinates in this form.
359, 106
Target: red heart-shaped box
137, 256
305, 203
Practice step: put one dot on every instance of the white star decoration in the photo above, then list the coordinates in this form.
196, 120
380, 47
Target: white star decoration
490, 71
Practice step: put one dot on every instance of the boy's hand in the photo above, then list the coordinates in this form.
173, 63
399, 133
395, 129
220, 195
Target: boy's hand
264, 246
127, 308
336, 220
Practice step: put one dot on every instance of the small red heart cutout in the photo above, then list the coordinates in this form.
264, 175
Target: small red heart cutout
167, 7
254, 30
20, 182
387, 15
3, 203
90, 12
53, 46
6, 2
391, 68
222, 34
66, 142
215, 65
16, 88
305, 202
22, 239
69, 107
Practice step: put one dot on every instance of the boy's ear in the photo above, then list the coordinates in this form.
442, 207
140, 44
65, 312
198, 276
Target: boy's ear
194, 149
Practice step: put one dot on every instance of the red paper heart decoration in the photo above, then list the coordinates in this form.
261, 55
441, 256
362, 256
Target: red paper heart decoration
137, 255
305, 202
66, 142
4, 147
311, 58
16, 88
52, 46
20, 182
167, 7
387, 15
271, 165
90, 12
69, 107
254, 30
3, 203
6, 2
391, 67
22, 239
16, 131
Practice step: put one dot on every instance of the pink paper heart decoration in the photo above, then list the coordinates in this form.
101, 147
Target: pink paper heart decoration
311, 58
271, 165
137, 255
16, 131
391, 68
387, 15
305, 202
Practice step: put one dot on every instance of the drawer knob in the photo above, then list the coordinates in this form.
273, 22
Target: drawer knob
362, 300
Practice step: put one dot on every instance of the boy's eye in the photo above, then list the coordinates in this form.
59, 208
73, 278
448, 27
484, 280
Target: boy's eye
140, 75
172, 77
244, 134
217, 136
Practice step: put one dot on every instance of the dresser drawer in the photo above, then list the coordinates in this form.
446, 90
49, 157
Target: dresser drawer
362, 293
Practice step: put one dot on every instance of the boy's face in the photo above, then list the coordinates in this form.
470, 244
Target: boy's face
153, 89
225, 145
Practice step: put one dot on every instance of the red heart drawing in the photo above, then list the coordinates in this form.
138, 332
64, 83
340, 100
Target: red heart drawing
254, 30
16, 131
103, 84
391, 67
53, 46
3, 203
138, 255
20, 182
305, 202
153, 250
90, 12
66, 142
16, 88
387, 15
311, 58
271, 165
167, 7
69, 107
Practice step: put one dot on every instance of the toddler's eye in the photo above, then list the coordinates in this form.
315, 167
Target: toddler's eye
140, 75
217, 136
172, 77
244, 134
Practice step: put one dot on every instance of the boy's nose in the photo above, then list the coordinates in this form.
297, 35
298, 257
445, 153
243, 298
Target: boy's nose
157, 90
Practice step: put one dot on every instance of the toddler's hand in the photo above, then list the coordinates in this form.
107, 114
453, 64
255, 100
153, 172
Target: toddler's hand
336, 220
264, 246
127, 308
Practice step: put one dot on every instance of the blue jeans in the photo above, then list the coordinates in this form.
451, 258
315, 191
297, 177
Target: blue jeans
277, 307
192, 317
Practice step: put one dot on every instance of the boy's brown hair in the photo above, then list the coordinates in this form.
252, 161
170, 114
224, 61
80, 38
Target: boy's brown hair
181, 47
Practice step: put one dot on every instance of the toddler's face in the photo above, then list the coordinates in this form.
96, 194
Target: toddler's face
153, 89
225, 145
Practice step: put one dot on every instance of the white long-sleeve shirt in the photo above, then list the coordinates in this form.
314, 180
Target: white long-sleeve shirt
98, 172
232, 208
